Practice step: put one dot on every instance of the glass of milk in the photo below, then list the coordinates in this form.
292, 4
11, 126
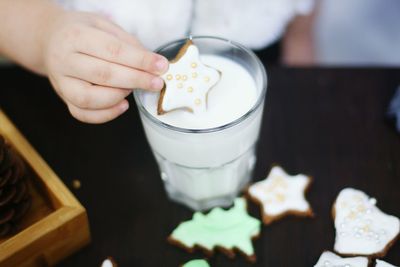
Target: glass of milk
206, 159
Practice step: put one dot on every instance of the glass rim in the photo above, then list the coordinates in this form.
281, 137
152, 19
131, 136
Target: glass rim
259, 101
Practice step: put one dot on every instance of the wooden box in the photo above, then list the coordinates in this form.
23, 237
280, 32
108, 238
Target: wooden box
56, 224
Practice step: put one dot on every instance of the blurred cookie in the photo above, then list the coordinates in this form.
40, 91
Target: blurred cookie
329, 259
380, 263
362, 228
281, 194
109, 262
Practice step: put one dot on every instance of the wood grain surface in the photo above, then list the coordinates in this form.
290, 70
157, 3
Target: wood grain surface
56, 224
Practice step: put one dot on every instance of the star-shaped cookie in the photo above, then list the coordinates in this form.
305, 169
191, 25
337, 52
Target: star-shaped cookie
281, 194
329, 259
187, 82
362, 228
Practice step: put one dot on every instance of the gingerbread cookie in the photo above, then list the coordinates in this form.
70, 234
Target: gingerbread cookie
196, 263
226, 230
380, 263
187, 82
329, 259
362, 228
281, 194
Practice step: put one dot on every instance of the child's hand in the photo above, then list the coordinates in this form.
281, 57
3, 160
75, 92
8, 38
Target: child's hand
93, 65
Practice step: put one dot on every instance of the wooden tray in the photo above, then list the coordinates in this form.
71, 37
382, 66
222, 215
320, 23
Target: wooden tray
56, 225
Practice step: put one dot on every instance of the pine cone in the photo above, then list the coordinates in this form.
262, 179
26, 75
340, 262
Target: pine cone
15, 199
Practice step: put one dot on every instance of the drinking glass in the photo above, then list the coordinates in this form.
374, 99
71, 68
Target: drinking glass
203, 168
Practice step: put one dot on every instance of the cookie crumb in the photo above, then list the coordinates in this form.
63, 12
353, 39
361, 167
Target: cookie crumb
76, 184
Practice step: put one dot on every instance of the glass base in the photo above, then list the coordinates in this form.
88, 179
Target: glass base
200, 205
205, 188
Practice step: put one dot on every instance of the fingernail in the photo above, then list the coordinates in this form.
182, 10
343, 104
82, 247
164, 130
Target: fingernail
162, 64
157, 83
124, 106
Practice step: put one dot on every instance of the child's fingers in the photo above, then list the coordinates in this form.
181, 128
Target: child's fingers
105, 46
98, 116
108, 74
89, 96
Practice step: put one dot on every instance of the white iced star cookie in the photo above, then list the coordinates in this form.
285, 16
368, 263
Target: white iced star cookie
187, 82
380, 263
281, 194
329, 259
361, 228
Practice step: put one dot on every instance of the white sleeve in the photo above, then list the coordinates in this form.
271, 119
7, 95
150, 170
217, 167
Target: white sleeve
254, 23
154, 22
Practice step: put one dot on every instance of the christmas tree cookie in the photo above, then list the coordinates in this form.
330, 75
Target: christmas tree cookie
225, 230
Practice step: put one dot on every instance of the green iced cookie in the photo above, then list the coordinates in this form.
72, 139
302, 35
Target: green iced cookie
228, 229
196, 263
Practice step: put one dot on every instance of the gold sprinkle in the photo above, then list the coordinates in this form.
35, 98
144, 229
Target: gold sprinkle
194, 75
76, 184
193, 65
278, 181
206, 79
352, 215
190, 89
280, 197
357, 198
268, 189
178, 77
169, 77
197, 101
361, 208
184, 78
366, 228
180, 85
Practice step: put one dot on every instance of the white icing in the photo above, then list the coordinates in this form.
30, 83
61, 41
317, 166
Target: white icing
361, 228
233, 96
280, 192
329, 259
107, 263
187, 82
380, 263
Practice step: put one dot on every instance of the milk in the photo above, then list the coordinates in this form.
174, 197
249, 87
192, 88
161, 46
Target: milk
205, 159
233, 96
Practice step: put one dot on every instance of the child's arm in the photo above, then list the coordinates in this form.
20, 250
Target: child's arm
298, 48
22, 30
92, 63
298, 42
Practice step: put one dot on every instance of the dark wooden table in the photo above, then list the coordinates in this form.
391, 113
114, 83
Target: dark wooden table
328, 123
